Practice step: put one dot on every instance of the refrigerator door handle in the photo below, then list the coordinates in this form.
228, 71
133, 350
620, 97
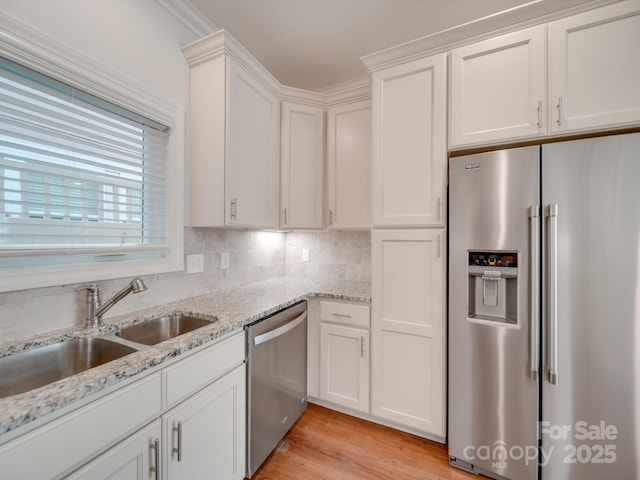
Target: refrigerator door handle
553, 294
534, 320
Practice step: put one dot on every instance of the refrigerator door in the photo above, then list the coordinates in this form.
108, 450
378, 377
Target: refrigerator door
591, 417
493, 396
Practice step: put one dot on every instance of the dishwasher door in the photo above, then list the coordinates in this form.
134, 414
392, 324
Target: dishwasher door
277, 380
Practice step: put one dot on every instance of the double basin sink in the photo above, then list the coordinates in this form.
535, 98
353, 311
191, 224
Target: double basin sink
40, 366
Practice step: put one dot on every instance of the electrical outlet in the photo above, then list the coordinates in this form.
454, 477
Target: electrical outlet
195, 263
305, 254
224, 260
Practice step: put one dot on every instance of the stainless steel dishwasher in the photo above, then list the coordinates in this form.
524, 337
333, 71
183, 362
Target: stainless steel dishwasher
277, 380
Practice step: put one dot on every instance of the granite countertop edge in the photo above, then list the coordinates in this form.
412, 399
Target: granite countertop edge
231, 311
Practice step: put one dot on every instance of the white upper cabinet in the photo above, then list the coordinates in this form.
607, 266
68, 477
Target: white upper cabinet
252, 166
577, 74
301, 185
349, 166
594, 63
409, 143
234, 134
498, 88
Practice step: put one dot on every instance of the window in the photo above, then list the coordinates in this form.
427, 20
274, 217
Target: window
82, 180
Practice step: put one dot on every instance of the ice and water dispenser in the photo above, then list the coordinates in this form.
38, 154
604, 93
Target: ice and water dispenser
493, 287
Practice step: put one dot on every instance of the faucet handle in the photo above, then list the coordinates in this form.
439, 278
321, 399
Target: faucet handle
93, 290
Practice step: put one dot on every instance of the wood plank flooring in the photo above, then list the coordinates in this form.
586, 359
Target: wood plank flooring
328, 445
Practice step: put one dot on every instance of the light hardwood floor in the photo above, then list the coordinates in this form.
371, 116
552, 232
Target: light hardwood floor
327, 445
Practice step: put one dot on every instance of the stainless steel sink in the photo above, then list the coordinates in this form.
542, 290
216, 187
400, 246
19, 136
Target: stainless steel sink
40, 366
160, 329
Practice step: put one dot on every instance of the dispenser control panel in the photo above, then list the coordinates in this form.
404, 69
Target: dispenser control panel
493, 259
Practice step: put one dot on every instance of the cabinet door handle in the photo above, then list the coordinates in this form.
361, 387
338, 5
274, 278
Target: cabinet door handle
234, 209
156, 455
539, 113
330, 217
438, 246
559, 105
178, 450
361, 346
285, 215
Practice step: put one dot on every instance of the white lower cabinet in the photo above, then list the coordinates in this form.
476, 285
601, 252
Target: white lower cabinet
339, 354
62, 445
195, 406
132, 459
204, 435
408, 329
344, 366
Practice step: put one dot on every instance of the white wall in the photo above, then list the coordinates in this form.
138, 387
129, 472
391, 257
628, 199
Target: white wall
138, 39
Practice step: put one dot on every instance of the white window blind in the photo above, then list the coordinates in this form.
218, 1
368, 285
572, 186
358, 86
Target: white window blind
81, 179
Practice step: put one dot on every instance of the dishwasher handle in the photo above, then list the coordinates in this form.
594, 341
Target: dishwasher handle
276, 332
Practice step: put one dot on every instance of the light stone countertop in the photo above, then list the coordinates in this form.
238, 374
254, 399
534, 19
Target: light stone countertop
232, 309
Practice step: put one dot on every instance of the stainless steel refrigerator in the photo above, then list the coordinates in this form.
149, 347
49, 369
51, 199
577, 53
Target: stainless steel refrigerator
544, 311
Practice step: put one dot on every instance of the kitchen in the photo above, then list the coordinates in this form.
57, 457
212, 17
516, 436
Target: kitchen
148, 44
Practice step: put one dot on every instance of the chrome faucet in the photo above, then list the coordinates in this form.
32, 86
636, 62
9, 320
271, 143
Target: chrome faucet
96, 309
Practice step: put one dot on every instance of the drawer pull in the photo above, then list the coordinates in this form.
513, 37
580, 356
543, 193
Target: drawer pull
342, 315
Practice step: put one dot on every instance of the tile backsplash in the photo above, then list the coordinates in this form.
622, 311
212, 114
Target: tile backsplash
253, 256
332, 255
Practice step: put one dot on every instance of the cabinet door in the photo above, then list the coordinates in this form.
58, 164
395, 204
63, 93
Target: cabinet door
344, 366
498, 88
302, 185
349, 166
207, 122
64, 444
252, 155
595, 68
407, 329
134, 458
409, 143
204, 436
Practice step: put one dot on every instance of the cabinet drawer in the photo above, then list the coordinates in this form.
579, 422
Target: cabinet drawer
60, 446
351, 314
197, 371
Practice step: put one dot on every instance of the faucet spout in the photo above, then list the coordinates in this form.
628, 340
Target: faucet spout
96, 309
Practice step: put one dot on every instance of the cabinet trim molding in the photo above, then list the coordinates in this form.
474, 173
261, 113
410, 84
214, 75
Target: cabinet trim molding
505, 22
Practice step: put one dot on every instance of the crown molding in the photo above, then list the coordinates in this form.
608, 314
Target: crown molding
364, 81
349, 94
214, 42
189, 16
529, 14
223, 43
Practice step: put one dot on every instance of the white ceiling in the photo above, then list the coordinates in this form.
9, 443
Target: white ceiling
314, 44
